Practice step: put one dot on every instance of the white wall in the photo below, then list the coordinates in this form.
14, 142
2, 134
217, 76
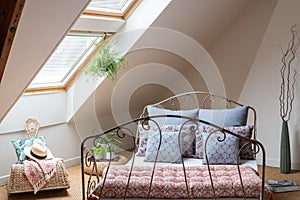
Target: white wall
49, 109
234, 50
262, 87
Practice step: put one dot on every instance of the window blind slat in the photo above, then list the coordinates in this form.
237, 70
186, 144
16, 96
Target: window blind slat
64, 59
117, 5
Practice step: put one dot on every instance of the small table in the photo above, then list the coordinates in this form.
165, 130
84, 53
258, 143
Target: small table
101, 164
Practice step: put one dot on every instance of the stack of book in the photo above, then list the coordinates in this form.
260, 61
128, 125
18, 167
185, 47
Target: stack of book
282, 185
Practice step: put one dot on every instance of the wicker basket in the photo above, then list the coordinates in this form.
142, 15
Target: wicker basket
18, 182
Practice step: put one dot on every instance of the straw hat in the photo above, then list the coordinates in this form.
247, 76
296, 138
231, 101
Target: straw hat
38, 150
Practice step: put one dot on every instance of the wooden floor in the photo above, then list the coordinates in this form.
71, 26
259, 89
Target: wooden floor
74, 192
273, 173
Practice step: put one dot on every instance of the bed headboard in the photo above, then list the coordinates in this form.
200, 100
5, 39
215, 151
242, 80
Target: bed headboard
204, 101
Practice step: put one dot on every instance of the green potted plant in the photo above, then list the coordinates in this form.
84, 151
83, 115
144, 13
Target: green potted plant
110, 151
110, 147
99, 152
107, 62
106, 146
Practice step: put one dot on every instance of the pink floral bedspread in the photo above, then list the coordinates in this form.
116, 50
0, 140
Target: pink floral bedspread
169, 182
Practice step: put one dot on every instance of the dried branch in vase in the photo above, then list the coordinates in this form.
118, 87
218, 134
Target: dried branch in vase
288, 76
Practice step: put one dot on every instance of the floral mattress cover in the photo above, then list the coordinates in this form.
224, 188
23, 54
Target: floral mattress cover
169, 182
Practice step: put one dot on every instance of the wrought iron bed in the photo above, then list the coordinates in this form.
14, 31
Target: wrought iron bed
99, 183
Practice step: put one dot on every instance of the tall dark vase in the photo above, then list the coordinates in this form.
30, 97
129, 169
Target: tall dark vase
285, 153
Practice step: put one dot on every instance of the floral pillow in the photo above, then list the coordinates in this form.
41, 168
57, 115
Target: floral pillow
199, 140
169, 148
187, 136
220, 151
245, 131
142, 139
19, 146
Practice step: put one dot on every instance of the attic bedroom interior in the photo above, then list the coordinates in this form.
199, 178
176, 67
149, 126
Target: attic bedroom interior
236, 49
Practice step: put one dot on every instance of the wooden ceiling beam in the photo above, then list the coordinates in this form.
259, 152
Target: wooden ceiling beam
10, 14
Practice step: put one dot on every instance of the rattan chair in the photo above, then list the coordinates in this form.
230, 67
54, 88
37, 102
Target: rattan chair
18, 182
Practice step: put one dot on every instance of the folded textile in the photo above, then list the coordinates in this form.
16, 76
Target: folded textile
38, 172
282, 185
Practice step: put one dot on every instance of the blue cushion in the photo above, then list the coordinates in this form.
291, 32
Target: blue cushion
152, 111
169, 149
19, 146
225, 117
187, 137
245, 131
220, 152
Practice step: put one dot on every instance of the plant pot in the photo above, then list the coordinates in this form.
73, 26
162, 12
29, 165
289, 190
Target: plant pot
110, 155
99, 156
285, 152
99, 152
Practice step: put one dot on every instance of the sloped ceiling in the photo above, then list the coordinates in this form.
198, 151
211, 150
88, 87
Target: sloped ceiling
41, 27
219, 26
203, 20
230, 31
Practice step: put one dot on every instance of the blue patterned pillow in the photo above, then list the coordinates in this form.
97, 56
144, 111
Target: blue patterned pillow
245, 131
169, 149
220, 152
187, 137
19, 146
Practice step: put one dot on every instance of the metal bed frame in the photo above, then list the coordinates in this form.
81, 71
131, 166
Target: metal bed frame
89, 182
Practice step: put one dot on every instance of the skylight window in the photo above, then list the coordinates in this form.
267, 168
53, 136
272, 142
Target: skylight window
66, 59
112, 5
109, 7
73, 51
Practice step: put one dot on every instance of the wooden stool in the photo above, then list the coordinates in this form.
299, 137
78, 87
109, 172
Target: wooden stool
18, 181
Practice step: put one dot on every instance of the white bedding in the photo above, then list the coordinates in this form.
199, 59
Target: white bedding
139, 161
